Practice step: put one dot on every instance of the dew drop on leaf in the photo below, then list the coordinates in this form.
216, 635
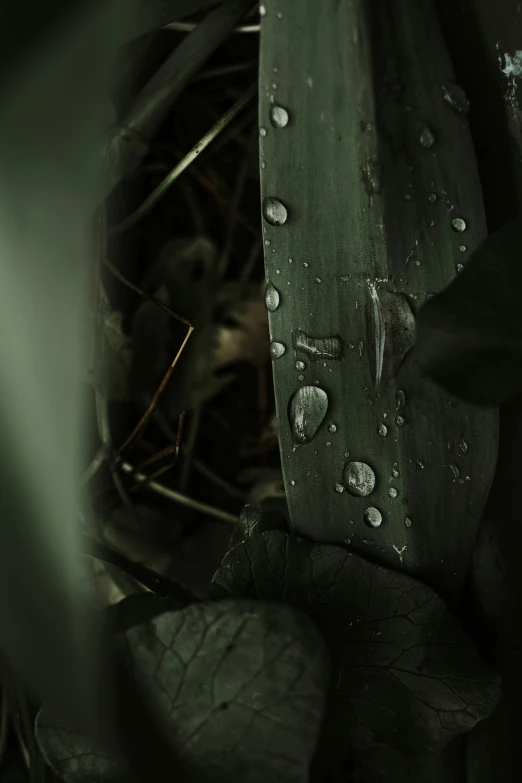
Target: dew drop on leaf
274, 211
399, 421
277, 350
372, 517
332, 428
456, 98
407, 521
339, 488
458, 225
463, 446
462, 248
426, 136
359, 479
262, 131
306, 412
271, 297
432, 198
299, 365
318, 347
392, 492
278, 116
459, 267
401, 399
371, 176
382, 430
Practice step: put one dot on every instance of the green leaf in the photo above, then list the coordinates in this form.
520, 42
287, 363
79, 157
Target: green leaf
469, 336
372, 167
241, 687
406, 674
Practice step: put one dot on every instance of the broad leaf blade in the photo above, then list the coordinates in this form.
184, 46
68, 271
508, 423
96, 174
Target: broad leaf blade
241, 688
369, 138
405, 673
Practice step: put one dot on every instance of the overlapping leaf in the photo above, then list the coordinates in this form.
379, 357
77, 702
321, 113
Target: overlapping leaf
241, 686
406, 674
469, 336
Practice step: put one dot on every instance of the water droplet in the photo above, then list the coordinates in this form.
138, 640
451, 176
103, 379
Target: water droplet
278, 116
299, 365
407, 197
318, 280
279, 14
459, 267
332, 428
462, 248
290, 260
382, 430
271, 297
262, 131
328, 443
339, 488
372, 517
401, 399
426, 136
463, 446
348, 541
399, 421
359, 479
432, 198
455, 470
292, 483
419, 465
371, 176
306, 412
455, 97
395, 473
274, 85
458, 224
305, 264
277, 350
318, 347
392, 492
262, 10
407, 521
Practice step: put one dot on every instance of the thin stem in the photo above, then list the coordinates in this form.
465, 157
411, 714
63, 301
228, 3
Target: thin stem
148, 413
182, 500
144, 294
140, 573
188, 27
207, 139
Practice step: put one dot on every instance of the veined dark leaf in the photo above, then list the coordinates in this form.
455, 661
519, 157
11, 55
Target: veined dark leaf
241, 687
469, 336
406, 674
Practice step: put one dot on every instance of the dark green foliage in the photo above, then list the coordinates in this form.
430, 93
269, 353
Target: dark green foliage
469, 336
406, 674
240, 686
